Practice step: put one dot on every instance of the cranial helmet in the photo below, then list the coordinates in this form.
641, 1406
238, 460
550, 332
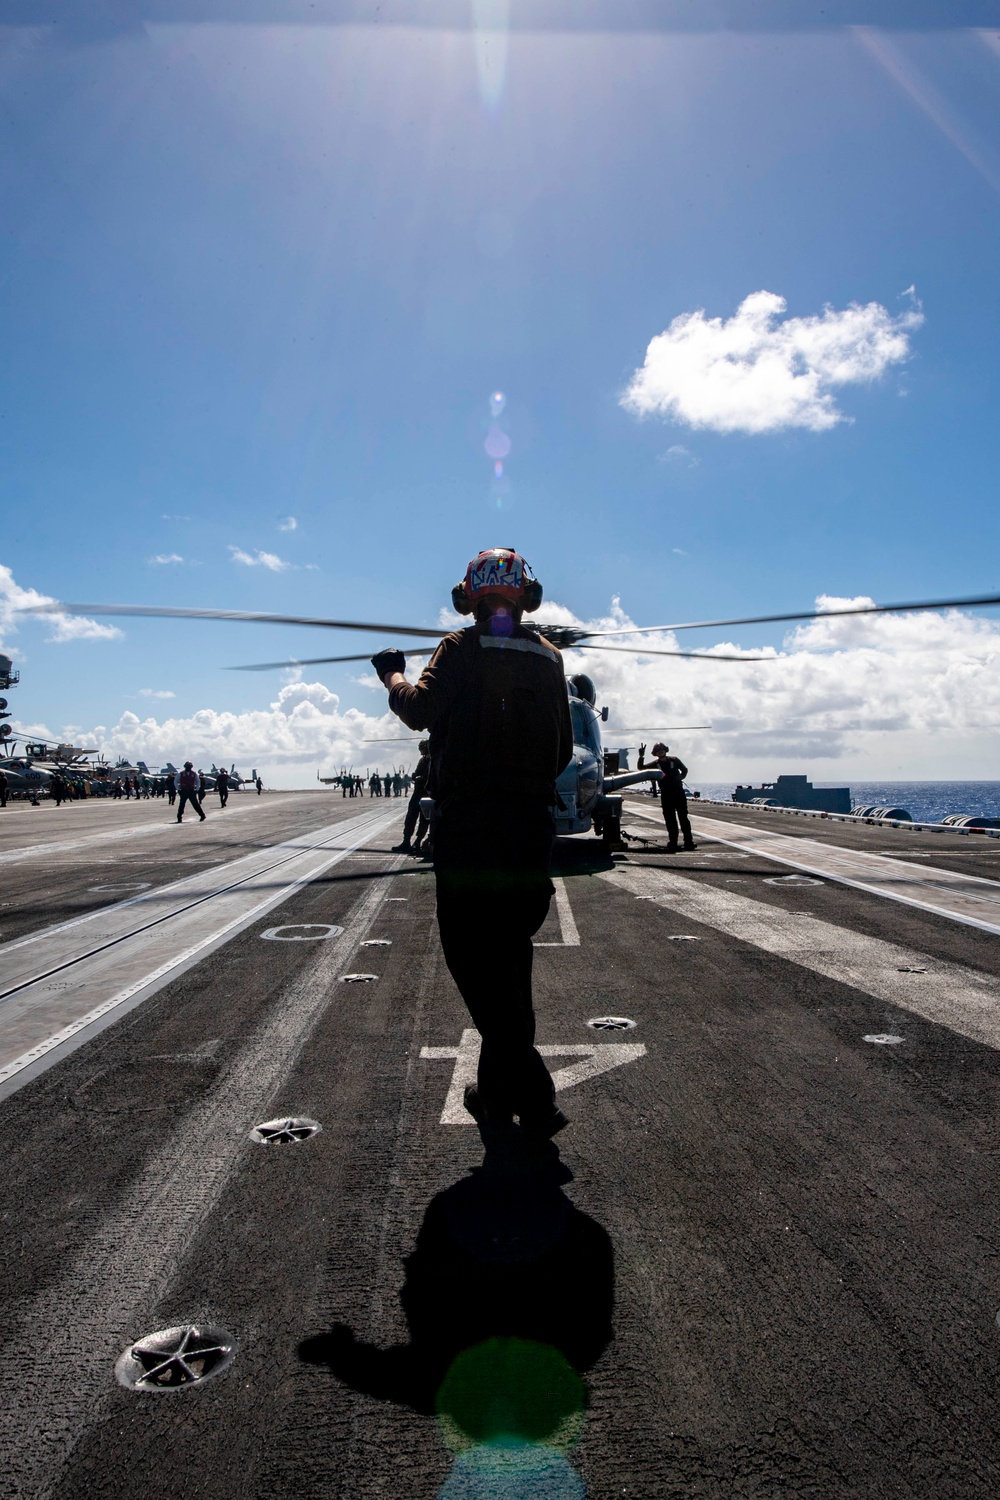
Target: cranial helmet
497, 571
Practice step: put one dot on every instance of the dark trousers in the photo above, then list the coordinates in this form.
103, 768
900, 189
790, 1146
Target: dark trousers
186, 797
675, 810
223, 795
412, 814
491, 864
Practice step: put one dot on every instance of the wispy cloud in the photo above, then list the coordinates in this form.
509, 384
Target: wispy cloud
288, 523
754, 373
259, 559
162, 559
679, 457
64, 627
156, 693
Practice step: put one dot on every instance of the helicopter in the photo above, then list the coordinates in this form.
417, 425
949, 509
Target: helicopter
588, 788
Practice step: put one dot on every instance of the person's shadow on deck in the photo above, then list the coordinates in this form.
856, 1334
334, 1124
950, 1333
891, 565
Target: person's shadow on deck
502, 1253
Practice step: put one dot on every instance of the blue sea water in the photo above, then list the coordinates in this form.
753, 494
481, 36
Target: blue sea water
925, 801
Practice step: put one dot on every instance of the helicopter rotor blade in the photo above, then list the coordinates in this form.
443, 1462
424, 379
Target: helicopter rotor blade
316, 661
977, 600
692, 655
168, 612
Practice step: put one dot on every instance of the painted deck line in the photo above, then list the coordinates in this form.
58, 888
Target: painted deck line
102, 976
594, 1058
971, 899
569, 937
967, 1001
105, 836
110, 1290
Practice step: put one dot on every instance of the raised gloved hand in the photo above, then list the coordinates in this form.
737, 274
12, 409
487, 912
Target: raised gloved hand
389, 660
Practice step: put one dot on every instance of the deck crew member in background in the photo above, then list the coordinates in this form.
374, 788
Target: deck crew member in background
187, 785
673, 799
222, 787
494, 698
4, 788
259, 785
413, 806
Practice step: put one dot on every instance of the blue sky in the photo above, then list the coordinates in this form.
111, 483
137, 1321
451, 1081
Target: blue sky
259, 272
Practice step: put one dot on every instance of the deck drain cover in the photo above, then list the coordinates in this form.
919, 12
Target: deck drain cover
377, 943
683, 937
175, 1358
302, 932
285, 1132
911, 969
358, 978
399, 898
792, 880
611, 1023
883, 1039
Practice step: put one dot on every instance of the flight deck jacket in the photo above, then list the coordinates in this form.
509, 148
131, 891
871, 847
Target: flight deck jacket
498, 714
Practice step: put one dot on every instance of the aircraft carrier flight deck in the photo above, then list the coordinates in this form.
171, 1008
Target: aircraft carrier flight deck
769, 1249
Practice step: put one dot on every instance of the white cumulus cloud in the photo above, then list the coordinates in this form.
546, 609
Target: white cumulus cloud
886, 696
759, 372
162, 559
259, 559
288, 523
14, 598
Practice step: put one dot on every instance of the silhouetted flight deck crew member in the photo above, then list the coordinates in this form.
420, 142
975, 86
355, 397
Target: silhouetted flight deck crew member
4, 788
673, 800
494, 698
222, 787
259, 785
413, 806
187, 785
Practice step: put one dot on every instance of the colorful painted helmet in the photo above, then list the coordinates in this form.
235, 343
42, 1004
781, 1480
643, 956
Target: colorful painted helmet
497, 571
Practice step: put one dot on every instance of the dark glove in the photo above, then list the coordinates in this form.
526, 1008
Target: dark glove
389, 660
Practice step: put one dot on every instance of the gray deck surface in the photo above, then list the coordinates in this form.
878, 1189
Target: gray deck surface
776, 1262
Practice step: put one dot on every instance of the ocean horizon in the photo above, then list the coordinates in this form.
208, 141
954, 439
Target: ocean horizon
925, 801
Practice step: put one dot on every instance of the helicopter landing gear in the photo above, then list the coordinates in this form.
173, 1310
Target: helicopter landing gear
608, 823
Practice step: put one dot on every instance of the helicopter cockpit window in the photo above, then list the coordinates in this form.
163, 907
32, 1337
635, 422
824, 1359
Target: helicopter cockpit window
584, 725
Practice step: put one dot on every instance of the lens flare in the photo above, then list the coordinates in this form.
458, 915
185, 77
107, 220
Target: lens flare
497, 442
498, 469
497, 403
513, 1472
509, 1393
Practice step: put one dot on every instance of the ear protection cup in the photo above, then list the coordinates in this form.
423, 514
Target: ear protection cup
532, 595
460, 601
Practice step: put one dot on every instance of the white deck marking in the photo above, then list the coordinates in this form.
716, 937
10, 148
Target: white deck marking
570, 937
72, 1331
594, 1058
106, 835
971, 899
82, 978
967, 1001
